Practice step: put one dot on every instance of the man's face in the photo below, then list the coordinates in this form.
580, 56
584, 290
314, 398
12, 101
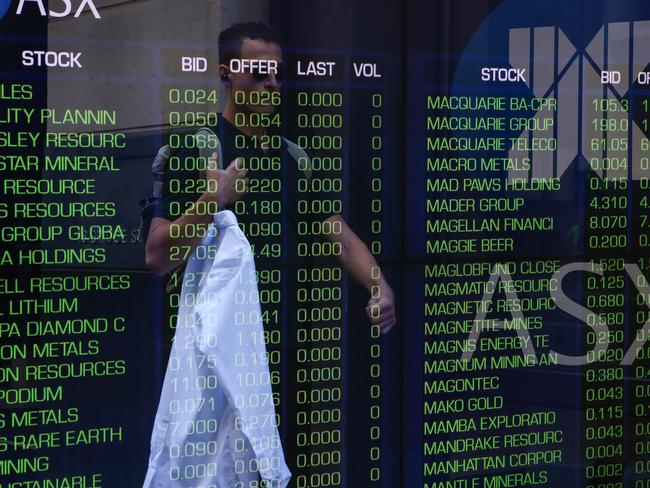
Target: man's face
254, 91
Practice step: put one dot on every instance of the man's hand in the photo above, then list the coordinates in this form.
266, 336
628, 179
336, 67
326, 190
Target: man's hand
224, 187
357, 260
230, 184
381, 308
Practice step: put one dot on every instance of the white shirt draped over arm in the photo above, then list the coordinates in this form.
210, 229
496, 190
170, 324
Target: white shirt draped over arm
216, 424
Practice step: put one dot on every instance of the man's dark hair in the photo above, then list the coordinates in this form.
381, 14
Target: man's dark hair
231, 39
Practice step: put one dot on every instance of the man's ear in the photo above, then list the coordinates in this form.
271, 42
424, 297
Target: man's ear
223, 73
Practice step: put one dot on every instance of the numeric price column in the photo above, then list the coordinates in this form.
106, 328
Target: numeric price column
182, 179
606, 126
376, 184
638, 354
320, 331
366, 210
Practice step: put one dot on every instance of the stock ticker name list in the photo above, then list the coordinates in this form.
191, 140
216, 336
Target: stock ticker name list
52, 339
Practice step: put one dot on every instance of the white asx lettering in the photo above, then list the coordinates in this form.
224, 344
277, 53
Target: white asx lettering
66, 8
608, 62
572, 308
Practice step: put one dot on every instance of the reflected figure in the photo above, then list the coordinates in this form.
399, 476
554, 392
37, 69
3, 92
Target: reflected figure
191, 222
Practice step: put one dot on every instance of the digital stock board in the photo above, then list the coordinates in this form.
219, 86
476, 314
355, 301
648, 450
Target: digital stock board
271, 243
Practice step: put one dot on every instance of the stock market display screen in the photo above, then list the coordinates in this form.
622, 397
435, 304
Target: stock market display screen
271, 243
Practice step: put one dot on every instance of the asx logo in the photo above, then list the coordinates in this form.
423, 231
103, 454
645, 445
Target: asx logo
64, 10
591, 88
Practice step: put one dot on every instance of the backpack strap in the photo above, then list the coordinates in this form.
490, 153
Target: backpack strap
159, 169
206, 150
299, 153
202, 136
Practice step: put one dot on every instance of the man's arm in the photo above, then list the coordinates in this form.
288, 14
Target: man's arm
168, 244
357, 260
